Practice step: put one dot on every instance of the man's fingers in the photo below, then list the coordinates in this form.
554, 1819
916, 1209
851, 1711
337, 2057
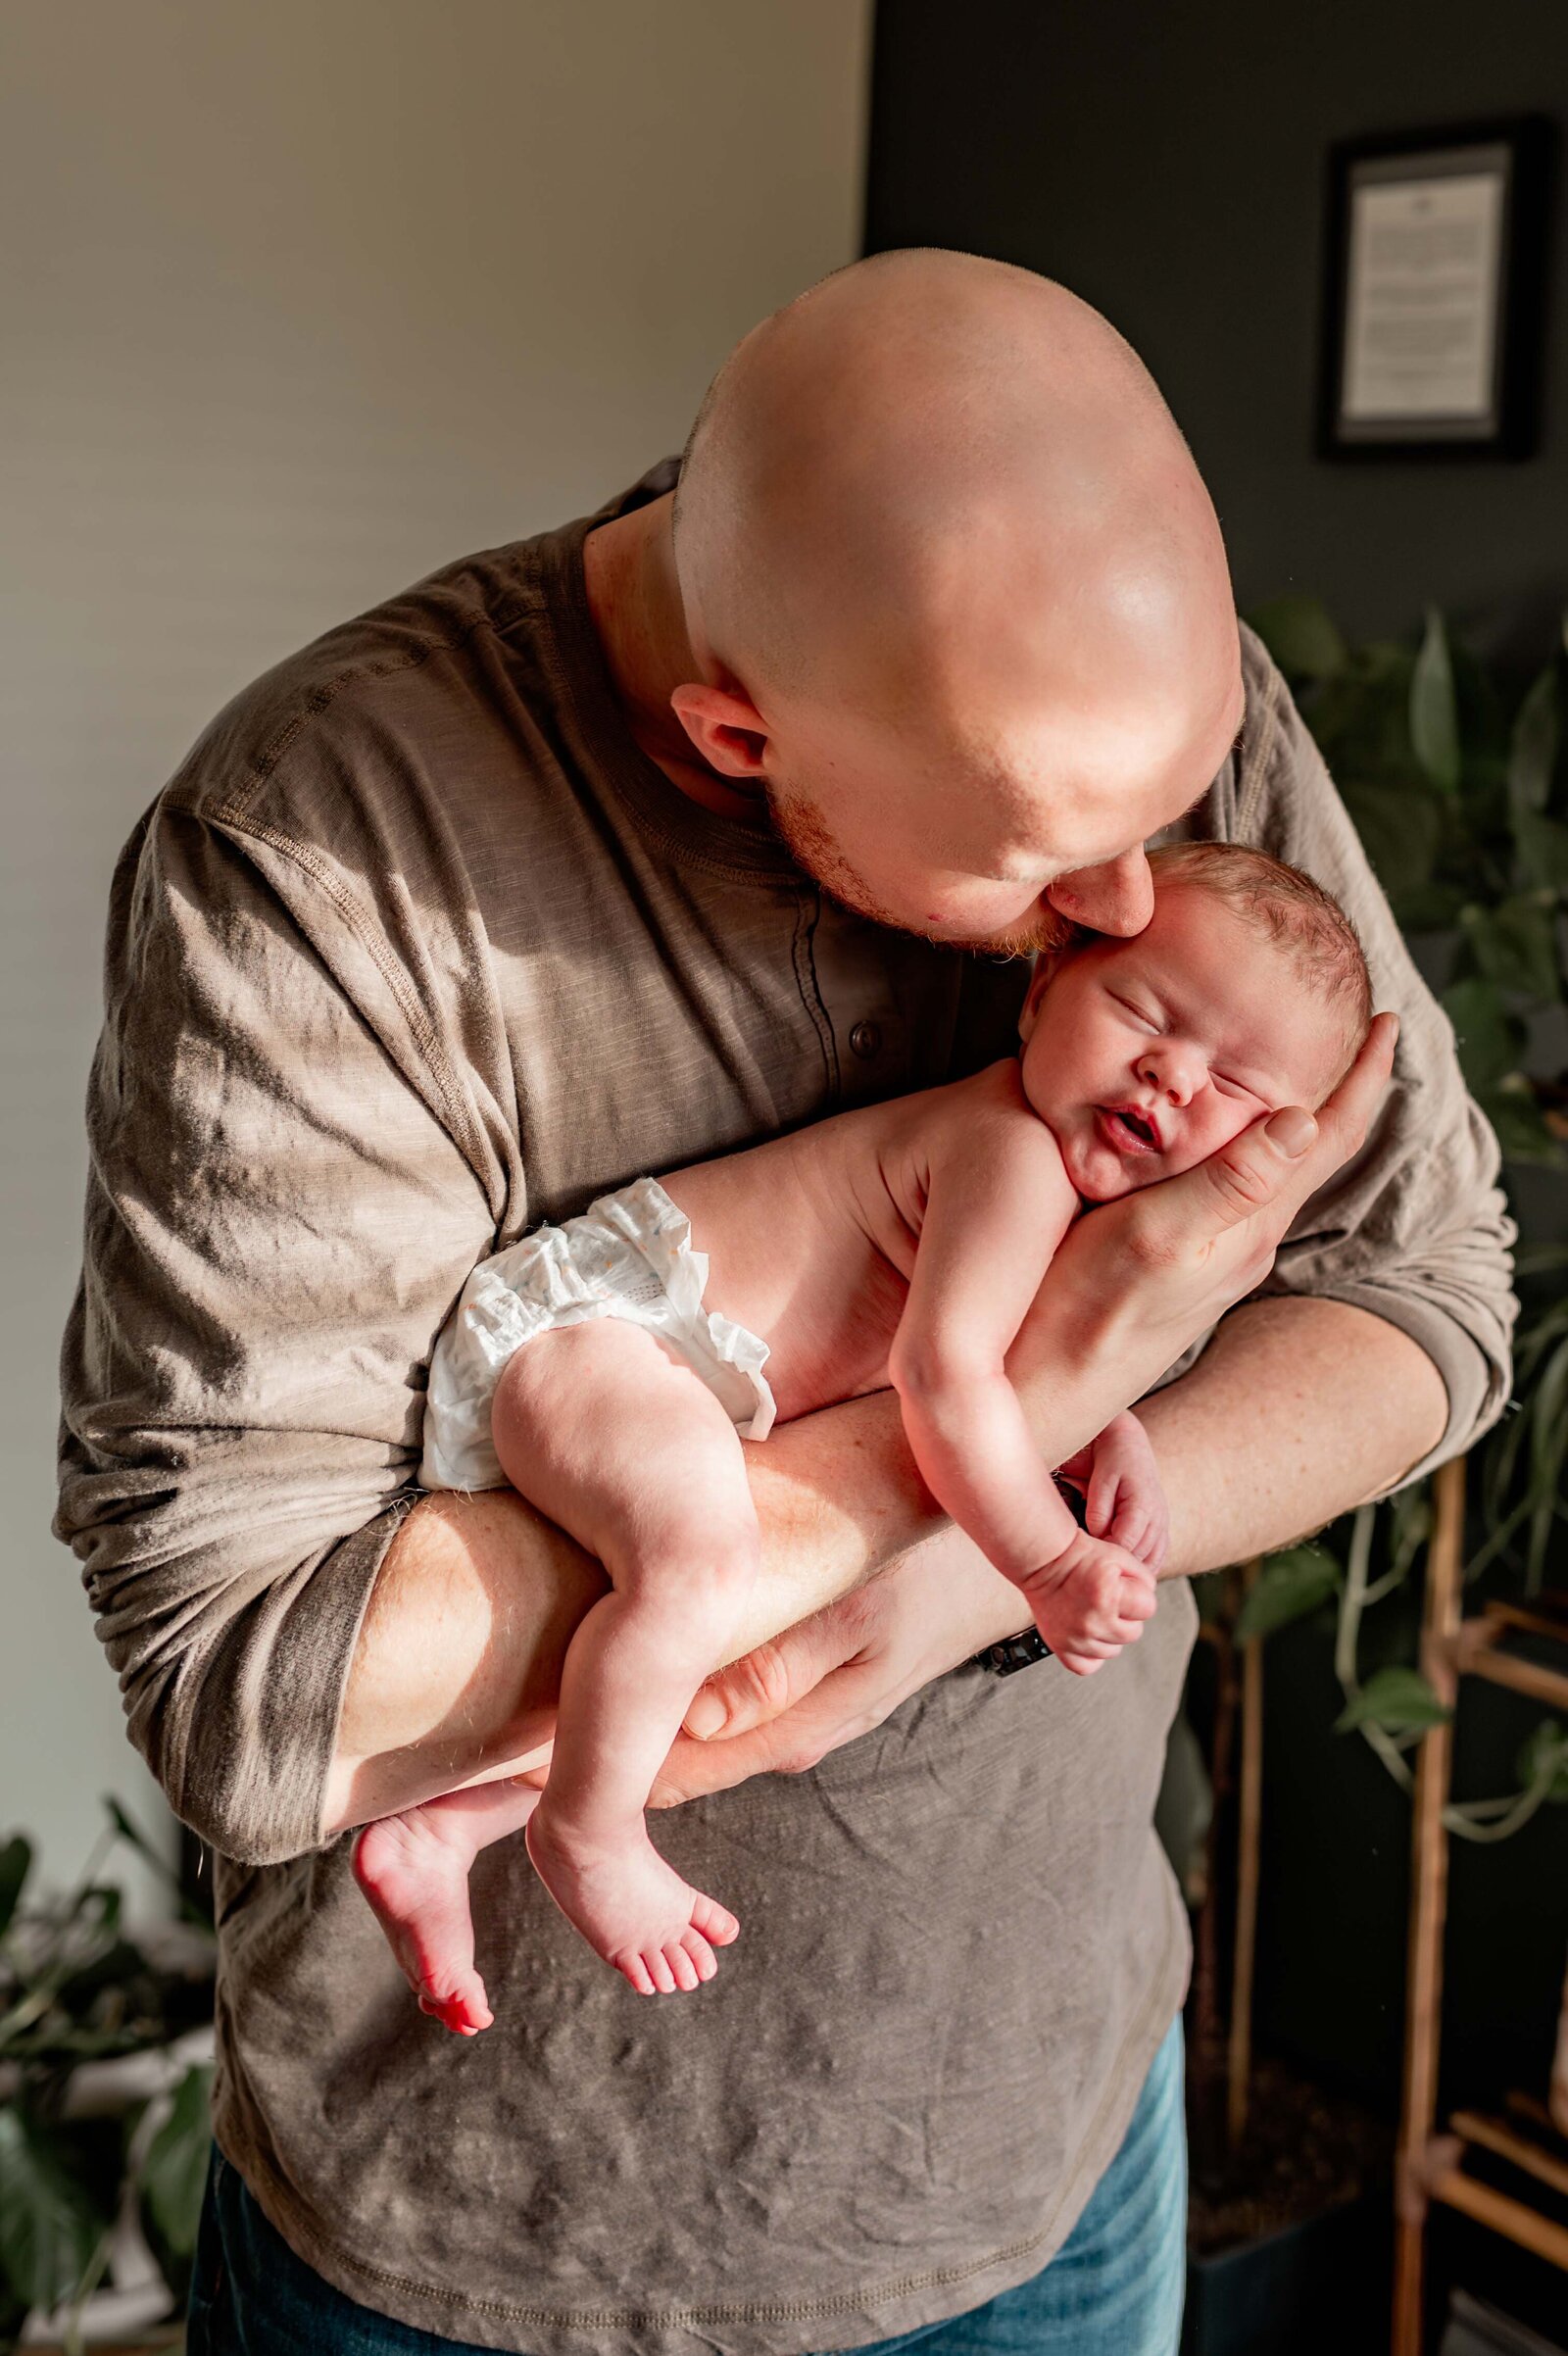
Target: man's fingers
775, 1675
846, 1703
746, 1694
1345, 1119
1254, 1170
1104, 1488
1340, 1123
1274, 1166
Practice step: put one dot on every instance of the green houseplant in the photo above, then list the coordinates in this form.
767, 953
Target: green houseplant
76, 1993
1460, 796
1460, 791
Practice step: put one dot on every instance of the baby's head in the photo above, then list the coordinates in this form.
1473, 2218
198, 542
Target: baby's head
1246, 990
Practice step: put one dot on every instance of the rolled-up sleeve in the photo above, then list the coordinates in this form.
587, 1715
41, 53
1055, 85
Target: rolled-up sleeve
277, 1224
1414, 1229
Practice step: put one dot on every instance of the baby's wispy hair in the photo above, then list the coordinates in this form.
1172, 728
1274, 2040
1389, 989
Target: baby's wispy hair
1298, 914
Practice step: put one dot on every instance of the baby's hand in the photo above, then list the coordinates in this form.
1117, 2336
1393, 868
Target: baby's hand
1124, 1499
1092, 1600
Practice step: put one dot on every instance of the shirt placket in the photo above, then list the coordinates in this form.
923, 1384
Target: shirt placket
854, 989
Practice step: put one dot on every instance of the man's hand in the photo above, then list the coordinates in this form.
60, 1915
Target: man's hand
1226, 1218
1139, 1280
841, 1672
1123, 1500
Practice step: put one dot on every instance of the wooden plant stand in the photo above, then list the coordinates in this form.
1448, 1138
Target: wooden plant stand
1430, 2167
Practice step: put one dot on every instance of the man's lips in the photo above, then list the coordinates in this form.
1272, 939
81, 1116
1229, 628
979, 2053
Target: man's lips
1128, 1128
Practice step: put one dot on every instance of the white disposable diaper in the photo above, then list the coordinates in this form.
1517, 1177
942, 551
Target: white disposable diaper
630, 1255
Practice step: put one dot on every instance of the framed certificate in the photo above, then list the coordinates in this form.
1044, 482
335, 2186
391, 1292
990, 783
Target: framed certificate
1434, 292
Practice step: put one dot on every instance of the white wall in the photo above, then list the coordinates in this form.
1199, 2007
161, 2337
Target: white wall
300, 301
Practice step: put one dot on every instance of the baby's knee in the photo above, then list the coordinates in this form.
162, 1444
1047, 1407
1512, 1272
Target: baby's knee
710, 1563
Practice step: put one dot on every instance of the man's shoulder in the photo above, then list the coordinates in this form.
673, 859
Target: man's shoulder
1278, 771
360, 695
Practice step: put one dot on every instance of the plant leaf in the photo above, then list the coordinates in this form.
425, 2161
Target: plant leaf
1510, 1105
49, 2225
1400, 828
1291, 1584
1545, 1753
173, 2174
16, 1860
1435, 707
1490, 1041
1302, 635
1395, 1699
1515, 944
1541, 846
1533, 747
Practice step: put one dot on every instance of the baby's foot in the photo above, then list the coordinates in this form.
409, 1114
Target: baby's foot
632, 1908
413, 1868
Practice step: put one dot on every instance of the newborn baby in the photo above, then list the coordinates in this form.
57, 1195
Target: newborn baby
608, 1370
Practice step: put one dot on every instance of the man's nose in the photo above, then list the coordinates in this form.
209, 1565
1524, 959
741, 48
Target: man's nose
1116, 897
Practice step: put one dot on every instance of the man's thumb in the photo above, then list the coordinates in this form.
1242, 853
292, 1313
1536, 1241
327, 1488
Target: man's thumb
1248, 1176
750, 1691
1292, 1129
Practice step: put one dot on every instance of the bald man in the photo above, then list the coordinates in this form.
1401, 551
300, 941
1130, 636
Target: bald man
597, 853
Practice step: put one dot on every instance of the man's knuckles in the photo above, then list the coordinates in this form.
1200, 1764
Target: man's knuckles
753, 1689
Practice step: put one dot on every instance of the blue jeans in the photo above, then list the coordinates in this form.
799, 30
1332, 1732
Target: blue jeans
1114, 2287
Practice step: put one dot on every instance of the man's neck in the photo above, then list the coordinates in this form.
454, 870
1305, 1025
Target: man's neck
635, 604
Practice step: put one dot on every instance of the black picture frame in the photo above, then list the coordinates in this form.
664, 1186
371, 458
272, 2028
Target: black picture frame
1519, 151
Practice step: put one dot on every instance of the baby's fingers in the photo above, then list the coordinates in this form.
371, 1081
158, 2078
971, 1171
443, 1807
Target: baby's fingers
1135, 1604
1083, 1660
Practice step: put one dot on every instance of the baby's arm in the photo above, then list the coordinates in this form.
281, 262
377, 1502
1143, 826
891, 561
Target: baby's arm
997, 1204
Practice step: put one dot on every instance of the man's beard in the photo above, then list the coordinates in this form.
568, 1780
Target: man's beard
799, 827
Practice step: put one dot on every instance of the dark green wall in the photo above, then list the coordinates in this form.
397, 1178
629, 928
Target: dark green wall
1166, 161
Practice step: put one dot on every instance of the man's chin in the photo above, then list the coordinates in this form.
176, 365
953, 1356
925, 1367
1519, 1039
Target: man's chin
1044, 933
1042, 936
812, 848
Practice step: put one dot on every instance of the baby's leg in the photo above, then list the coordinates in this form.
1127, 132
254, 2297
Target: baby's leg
624, 1445
413, 1868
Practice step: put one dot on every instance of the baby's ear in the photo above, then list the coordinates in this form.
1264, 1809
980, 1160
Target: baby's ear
1046, 966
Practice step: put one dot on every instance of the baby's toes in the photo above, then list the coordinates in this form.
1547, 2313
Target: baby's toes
714, 1922
635, 1968
463, 2010
657, 1965
683, 1967
701, 1953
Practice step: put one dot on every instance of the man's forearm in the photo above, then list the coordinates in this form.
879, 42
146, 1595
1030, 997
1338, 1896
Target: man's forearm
458, 1664
1297, 1410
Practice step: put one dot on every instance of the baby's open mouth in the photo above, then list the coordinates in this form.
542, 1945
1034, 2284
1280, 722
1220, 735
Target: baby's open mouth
1128, 1130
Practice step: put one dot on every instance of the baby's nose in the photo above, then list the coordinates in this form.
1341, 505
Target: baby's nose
1174, 1075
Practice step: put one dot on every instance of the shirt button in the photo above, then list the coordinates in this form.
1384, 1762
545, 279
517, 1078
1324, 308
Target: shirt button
865, 1039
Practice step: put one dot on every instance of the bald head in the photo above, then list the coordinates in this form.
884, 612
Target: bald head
938, 526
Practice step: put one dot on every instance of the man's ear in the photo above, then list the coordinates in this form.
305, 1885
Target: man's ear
726, 727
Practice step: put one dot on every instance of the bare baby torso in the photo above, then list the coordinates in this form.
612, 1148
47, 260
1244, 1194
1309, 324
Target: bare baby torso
812, 1238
